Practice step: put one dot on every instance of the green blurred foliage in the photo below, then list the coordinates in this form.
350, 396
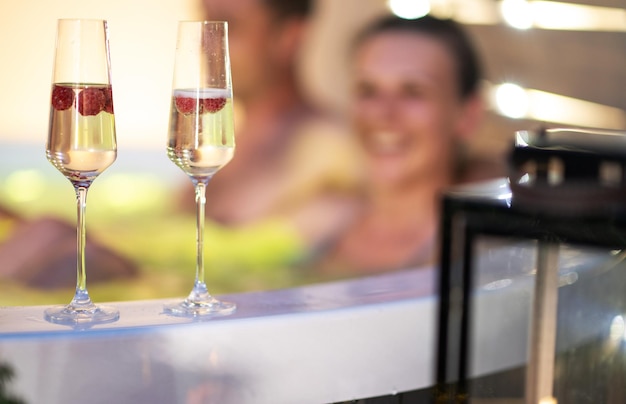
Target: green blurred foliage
136, 215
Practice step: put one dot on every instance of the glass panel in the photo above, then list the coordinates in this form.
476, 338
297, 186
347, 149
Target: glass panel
588, 330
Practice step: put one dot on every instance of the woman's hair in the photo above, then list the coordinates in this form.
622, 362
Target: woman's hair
448, 32
290, 8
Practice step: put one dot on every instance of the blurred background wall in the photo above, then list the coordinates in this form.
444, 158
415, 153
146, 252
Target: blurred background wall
142, 40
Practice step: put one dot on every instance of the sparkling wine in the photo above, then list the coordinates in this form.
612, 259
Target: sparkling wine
201, 136
201, 131
81, 142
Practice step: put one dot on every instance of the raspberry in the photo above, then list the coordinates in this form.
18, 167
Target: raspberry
62, 97
213, 104
185, 105
188, 105
91, 101
108, 100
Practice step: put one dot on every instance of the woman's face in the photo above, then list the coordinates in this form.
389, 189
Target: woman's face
406, 107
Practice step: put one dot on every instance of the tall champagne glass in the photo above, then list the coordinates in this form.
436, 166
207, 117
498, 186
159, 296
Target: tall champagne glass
81, 139
201, 134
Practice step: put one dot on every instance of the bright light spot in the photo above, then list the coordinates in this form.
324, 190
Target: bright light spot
617, 330
516, 102
567, 16
511, 100
472, 11
560, 15
24, 185
557, 108
517, 13
409, 9
524, 14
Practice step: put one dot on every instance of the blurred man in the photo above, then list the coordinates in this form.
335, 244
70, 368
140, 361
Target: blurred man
291, 160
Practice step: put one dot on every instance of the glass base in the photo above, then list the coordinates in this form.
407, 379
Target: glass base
72, 315
208, 308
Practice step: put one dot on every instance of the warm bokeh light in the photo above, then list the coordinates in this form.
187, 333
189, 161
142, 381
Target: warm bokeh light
557, 108
514, 101
517, 13
525, 14
511, 100
409, 9
520, 14
565, 16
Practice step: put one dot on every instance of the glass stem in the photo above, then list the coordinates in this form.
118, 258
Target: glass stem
200, 207
81, 298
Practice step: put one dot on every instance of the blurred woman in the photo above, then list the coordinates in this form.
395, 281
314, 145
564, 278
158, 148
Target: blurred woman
415, 103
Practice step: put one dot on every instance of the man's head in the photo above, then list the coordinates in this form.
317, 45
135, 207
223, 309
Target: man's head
265, 37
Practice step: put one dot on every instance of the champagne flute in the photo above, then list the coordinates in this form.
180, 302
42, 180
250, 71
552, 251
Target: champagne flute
201, 135
81, 140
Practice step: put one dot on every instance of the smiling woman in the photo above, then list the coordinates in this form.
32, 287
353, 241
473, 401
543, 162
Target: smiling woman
415, 102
